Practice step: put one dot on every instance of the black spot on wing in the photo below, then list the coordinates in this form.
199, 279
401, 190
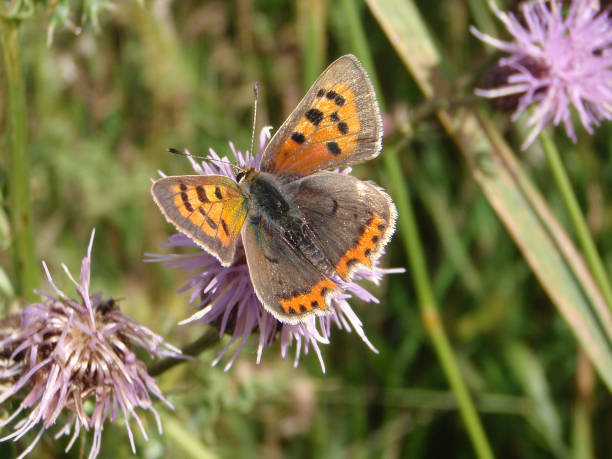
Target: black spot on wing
333, 148
314, 115
298, 137
332, 94
218, 193
339, 100
334, 208
343, 127
224, 226
201, 194
352, 262
320, 92
186, 202
209, 220
334, 117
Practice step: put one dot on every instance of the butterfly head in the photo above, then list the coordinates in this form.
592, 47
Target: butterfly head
245, 174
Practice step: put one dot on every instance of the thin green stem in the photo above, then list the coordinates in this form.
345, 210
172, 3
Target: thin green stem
414, 251
20, 211
312, 21
578, 220
207, 340
582, 434
582, 415
427, 303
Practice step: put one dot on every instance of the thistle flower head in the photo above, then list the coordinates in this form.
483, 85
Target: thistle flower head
557, 61
76, 358
224, 296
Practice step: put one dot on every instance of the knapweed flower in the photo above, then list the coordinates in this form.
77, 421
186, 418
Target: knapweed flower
224, 296
76, 358
557, 61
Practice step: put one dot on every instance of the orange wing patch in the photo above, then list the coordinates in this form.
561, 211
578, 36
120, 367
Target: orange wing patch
327, 130
214, 209
365, 247
306, 302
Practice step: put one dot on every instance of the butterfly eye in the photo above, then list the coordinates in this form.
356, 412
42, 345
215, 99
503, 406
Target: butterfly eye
240, 176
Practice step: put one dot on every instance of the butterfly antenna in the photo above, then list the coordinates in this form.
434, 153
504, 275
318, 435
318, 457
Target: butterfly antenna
255, 94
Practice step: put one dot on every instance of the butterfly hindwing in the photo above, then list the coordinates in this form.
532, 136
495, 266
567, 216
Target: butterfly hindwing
352, 219
286, 283
337, 123
209, 209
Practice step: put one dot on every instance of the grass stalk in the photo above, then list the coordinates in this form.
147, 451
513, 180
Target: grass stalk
20, 206
578, 221
414, 251
582, 415
208, 339
427, 304
312, 24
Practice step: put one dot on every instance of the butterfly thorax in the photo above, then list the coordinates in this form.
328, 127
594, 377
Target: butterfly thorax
263, 196
269, 205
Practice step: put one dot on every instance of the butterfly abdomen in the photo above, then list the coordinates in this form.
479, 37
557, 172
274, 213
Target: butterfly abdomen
270, 206
299, 236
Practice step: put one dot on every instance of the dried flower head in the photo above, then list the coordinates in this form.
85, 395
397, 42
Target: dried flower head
556, 61
75, 358
224, 296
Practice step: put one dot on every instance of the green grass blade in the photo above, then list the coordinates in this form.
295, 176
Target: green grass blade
17, 157
312, 24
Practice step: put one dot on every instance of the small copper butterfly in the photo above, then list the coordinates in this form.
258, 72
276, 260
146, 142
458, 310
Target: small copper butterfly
305, 228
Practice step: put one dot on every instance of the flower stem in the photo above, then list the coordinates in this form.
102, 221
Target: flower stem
414, 251
582, 429
208, 339
20, 206
427, 303
578, 220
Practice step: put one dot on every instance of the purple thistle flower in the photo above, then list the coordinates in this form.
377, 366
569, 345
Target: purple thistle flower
224, 296
66, 354
557, 61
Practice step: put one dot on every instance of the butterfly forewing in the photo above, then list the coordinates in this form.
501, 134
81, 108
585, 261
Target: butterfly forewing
337, 123
209, 209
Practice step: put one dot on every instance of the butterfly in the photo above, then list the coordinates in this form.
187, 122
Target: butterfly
305, 227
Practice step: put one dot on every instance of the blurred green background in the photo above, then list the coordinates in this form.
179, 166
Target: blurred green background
104, 104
